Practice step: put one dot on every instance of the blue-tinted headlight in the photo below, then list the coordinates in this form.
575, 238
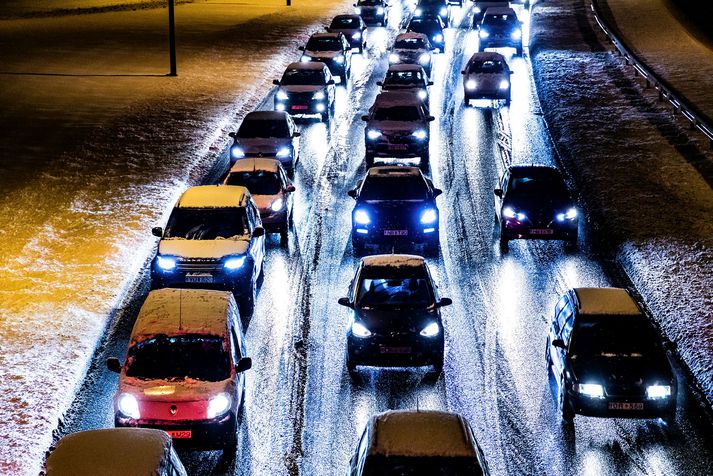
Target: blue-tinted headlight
361, 217
437, 37
237, 152
234, 263
283, 152
166, 263
429, 216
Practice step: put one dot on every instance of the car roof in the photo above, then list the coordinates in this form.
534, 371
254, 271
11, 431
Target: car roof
109, 452
308, 65
487, 56
394, 261
405, 67
397, 98
214, 196
411, 35
394, 171
605, 301
256, 164
499, 11
266, 116
419, 433
175, 311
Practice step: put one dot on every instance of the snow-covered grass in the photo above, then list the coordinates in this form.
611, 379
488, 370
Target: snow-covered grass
96, 144
635, 169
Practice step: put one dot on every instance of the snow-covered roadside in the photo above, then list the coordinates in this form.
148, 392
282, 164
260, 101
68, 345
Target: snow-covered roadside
112, 142
41, 8
633, 168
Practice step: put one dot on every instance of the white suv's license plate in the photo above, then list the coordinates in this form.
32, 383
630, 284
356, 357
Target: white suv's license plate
626, 406
395, 232
180, 434
201, 278
541, 231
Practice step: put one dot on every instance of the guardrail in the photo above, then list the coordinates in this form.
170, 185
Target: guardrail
697, 119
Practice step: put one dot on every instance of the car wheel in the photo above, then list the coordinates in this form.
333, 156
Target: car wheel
325, 116
504, 245
352, 368
466, 101
229, 446
507, 101
669, 419
432, 249
361, 49
284, 237
518, 51
565, 409
383, 22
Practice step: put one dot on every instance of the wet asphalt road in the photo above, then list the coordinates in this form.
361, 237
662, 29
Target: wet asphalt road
304, 414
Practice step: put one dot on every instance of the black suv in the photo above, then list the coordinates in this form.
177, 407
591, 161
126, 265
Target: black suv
433, 8
431, 26
395, 205
500, 28
396, 319
306, 88
372, 11
533, 202
606, 358
332, 49
352, 27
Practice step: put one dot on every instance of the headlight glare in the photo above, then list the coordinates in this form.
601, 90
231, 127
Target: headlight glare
429, 216
237, 152
372, 134
360, 330
484, 33
418, 12
277, 205
516, 35
356, 35
339, 59
219, 405
422, 94
394, 58
361, 217
471, 84
166, 263
431, 330
420, 134
357, 10
590, 389
234, 263
318, 95
425, 58
443, 12
658, 391
283, 152
504, 84
437, 37
380, 11
128, 405
282, 95
305, 59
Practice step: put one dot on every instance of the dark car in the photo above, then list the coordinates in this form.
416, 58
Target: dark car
607, 359
533, 202
372, 11
352, 27
397, 126
395, 205
481, 6
332, 49
412, 48
432, 27
396, 319
433, 7
500, 28
266, 134
306, 88
407, 77
486, 76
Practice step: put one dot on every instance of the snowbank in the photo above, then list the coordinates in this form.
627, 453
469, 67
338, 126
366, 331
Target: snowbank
635, 171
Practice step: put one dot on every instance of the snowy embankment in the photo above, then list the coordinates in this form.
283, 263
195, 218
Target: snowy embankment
634, 168
95, 146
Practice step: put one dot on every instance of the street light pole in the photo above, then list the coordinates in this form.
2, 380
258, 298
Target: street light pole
171, 38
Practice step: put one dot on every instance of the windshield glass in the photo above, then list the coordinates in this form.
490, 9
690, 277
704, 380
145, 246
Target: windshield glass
324, 44
613, 336
345, 22
538, 183
377, 465
432, 3
263, 128
394, 289
404, 78
258, 182
488, 66
397, 113
198, 357
206, 223
394, 188
303, 77
410, 44
500, 21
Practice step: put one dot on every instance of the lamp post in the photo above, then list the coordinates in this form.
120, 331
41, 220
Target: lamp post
172, 38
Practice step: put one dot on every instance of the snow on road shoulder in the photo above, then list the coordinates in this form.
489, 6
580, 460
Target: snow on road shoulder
629, 161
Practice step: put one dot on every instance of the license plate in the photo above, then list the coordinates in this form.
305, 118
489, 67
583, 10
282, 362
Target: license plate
398, 147
625, 406
180, 434
395, 232
199, 278
300, 108
394, 350
541, 231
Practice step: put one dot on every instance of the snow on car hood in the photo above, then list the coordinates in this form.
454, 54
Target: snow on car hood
158, 390
262, 144
396, 126
203, 248
323, 54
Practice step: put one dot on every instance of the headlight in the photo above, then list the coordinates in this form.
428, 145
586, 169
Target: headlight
237, 152
219, 405
128, 406
277, 205
420, 134
279, 107
483, 34
471, 84
508, 212
590, 389
282, 95
356, 36
320, 107
504, 84
361, 217
283, 152
429, 216
234, 263
318, 95
477, 10
166, 263
360, 330
380, 11
438, 38
372, 134
339, 59
658, 391
443, 12
570, 214
394, 58
516, 35
418, 12
430, 330
425, 58
422, 94
305, 59
357, 10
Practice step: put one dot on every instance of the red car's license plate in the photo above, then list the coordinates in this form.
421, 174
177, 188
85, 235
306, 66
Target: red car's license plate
299, 107
541, 231
626, 406
394, 350
180, 434
395, 232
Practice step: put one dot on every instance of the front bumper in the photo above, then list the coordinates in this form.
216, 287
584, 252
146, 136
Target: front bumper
205, 434
628, 407
186, 275
302, 106
406, 351
378, 235
401, 147
513, 229
500, 42
482, 93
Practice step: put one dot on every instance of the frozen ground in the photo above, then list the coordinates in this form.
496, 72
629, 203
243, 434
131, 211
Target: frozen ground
645, 180
95, 144
650, 29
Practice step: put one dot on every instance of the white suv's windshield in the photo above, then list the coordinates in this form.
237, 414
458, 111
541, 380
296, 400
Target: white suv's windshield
206, 223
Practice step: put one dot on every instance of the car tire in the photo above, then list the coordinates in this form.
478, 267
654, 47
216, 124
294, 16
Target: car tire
504, 242
284, 237
466, 101
432, 248
384, 22
518, 51
351, 368
325, 116
669, 419
507, 101
565, 410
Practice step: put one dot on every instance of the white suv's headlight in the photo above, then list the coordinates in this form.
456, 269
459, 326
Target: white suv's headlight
128, 405
430, 330
593, 390
219, 405
420, 134
658, 391
360, 330
166, 263
234, 263
282, 95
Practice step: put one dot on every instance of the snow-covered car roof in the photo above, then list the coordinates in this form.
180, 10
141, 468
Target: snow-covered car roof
394, 170
214, 196
486, 56
396, 261
266, 116
605, 301
397, 98
109, 452
309, 65
499, 11
255, 165
411, 35
414, 433
174, 311
406, 67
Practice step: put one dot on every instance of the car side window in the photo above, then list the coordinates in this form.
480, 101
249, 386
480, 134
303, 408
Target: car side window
283, 180
558, 309
568, 320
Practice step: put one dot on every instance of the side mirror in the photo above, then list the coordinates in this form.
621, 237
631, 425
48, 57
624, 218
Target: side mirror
330, 82
113, 364
290, 188
430, 83
510, 71
258, 232
437, 192
430, 118
379, 83
462, 72
276, 82
345, 302
498, 192
232, 134
157, 231
296, 134
352, 193
301, 48
365, 118
245, 363
445, 302
558, 343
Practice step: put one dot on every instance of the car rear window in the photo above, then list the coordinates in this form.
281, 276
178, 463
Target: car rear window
394, 188
257, 182
263, 128
206, 223
303, 77
324, 44
397, 113
198, 357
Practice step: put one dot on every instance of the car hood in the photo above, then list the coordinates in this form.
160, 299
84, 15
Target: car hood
263, 144
157, 390
621, 371
322, 54
302, 88
409, 52
383, 321
210, 249
395, 126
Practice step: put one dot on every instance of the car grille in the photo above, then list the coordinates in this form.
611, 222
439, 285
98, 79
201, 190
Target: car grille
300, 98
399, 138
625, 390
197, 265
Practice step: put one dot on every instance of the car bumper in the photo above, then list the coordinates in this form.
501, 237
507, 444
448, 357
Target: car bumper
622, 407
238, 282
296, 108
405, 149
500, 43
204, 434
364, 235
382, 352
486, 93
513, 230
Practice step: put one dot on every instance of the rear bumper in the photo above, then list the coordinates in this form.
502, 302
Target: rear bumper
205, 434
